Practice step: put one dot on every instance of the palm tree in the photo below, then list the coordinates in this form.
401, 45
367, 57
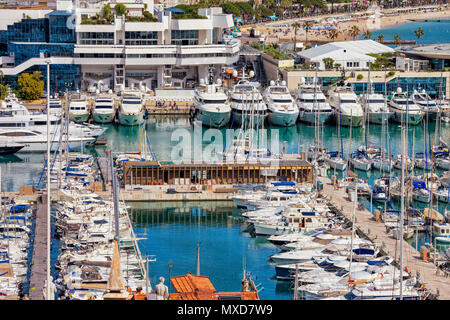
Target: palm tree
380, 37
354, 32
367, 34
295, 25
419, 34
307, 25
397, 40
333, 34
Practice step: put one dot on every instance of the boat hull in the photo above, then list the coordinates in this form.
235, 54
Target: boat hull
103, 117
258, 120
33, 146
282, 119
341, 166
269, 230
130, 119
379, 117
79, 118
363, 166
413, 119
213, 119
310, 117
348, 120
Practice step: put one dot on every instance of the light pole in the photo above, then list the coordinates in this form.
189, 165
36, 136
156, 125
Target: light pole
48, 177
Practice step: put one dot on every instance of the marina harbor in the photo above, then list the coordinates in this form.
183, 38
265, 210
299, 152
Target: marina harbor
241, 150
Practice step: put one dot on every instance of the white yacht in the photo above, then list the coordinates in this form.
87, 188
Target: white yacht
283, 111
130, 110
78, 111
401, 105
247, 105
14, 115
375, 106
423, 100
211, 105
312, 105
56, 107
104, 110
347, 110
36, 141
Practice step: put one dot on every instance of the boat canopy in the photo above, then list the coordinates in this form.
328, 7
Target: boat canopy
279, 184
419, 184
19, 209
364, 251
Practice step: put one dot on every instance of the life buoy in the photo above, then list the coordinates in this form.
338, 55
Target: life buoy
381, 275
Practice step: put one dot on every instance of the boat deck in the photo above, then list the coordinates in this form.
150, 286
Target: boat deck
376, 232
39, 262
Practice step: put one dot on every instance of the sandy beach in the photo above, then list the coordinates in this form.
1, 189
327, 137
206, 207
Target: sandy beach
279, 31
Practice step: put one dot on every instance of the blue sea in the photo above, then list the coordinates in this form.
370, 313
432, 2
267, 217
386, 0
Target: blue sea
434, 32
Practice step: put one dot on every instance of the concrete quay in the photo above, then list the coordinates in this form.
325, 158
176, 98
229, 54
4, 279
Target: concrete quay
376, 232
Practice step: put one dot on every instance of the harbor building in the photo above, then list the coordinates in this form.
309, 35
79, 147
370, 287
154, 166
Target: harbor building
351, 55
149, 46
426, 57
288, 168
434, 83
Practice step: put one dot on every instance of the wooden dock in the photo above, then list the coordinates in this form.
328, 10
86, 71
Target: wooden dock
376, 232
39, 262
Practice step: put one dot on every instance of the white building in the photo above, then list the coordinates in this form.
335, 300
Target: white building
169, 52
351, 55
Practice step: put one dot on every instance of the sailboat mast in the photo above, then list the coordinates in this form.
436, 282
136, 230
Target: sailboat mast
48, 180
402, 210
353, 232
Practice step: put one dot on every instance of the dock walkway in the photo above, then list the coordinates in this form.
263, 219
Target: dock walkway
39, 262
376, 232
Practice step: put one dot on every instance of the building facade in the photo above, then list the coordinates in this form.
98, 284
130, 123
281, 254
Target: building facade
164, 51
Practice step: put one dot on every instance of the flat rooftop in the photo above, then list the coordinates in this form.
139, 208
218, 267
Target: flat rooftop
441, 50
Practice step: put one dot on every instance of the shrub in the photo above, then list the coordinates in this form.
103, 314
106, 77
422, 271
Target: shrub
359, 76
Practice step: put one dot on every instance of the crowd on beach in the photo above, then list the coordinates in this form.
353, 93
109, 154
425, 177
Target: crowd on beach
367, 20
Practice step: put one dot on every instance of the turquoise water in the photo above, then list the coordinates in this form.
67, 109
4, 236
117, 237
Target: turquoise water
172, 230
434, 32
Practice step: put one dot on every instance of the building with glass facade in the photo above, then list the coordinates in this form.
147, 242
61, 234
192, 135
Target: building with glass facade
85, 49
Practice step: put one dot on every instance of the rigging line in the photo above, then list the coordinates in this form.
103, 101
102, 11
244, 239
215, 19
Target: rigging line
45, 163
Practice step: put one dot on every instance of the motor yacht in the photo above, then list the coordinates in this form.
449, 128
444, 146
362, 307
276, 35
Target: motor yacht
283, 111
426, 104
313, 107
211, 105
247, 105
402, 105
130, 109
347, 110
104, 110
78, 109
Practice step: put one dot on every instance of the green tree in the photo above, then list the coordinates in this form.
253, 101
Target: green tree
30, 86
120, 9
419, 34
3, 91
328, 62
367, 34
231, 8
295, 25
397, 40
333, 34
354, 32
307, 25
107, 13
380, 37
